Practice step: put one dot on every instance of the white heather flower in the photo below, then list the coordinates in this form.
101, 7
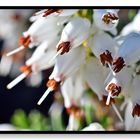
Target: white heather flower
40, 30
120, 82
94, 127
38, 62
106, 19
73, 35
95, 74
104, 47
53, 12
34, 66
42, 55
65, 65
128, 53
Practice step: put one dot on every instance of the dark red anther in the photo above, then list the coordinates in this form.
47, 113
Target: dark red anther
64, 47
118, 64
26, 69
106, 57
114, 89
107, 18
52, 83
24, 41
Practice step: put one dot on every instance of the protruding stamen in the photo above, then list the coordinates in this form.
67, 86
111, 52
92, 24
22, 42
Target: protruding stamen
15, 51
107, 18
64, 47
105, 99
52, 85
108, 98
136, 110
16, 81
44, 96
117, 112
23, 43
118, 64
26, 69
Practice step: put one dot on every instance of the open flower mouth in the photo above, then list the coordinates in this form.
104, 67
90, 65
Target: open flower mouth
106, 58
25, 41
64, 47
118, 64
136, 110
110, 17
26, 69
53, 84
114, 89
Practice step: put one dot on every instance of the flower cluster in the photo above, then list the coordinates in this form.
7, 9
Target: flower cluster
86, 52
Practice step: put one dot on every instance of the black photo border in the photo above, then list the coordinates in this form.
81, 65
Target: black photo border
70, 132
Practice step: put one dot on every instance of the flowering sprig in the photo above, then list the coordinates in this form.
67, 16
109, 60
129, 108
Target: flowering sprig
83, 51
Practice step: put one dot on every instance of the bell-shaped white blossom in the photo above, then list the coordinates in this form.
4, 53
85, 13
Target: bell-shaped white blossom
34, 66
73, 35
42, 29
128, 52
106, 19
104, 47
67, 64
53, 12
